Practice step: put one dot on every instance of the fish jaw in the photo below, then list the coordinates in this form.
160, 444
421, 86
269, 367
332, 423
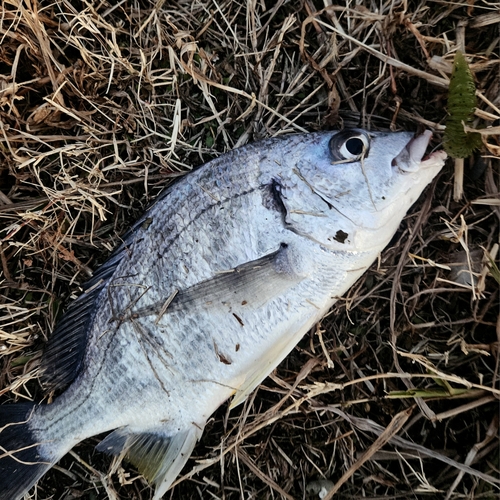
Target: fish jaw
412, 172
412, 159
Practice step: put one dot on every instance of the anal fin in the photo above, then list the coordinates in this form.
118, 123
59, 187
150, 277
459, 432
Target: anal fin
158, 456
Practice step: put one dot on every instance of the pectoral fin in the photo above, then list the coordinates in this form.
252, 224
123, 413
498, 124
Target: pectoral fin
252, 284
159, 457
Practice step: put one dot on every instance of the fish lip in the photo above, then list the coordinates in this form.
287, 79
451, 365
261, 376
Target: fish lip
412, 158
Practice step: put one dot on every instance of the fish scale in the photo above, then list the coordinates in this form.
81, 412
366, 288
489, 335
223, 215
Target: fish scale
208, 292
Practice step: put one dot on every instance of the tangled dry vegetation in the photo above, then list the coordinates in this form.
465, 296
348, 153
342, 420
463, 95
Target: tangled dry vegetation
102, 104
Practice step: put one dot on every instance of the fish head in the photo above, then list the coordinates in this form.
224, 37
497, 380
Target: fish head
350, 190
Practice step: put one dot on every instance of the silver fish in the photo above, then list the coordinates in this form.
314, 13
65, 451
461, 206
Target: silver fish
208, 292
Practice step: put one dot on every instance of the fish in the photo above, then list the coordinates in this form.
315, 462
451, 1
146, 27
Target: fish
208, 292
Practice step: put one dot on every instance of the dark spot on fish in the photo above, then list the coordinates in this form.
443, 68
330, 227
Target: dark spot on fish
158, 340
383, 197
147, 222
223, 359
244, 302
237, 347
238, 319
340, 236
272, 197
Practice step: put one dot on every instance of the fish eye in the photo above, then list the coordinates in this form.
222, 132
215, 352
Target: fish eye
349, 145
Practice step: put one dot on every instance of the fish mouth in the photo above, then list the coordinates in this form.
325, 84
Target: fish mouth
412, 158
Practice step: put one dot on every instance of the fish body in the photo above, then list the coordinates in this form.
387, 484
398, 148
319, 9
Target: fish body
208, 292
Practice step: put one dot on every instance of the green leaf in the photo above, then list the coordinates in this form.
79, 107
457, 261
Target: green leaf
461, 106
20, 361
435, 392
494, 271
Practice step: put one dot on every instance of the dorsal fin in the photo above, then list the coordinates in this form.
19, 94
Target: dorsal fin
63, 356
65, 350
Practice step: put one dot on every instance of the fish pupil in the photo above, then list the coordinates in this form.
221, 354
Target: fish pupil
354, 146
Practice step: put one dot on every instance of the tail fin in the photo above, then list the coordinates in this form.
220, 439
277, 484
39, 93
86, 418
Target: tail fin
20, 462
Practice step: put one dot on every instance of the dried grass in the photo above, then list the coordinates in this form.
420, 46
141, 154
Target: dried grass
102, 104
